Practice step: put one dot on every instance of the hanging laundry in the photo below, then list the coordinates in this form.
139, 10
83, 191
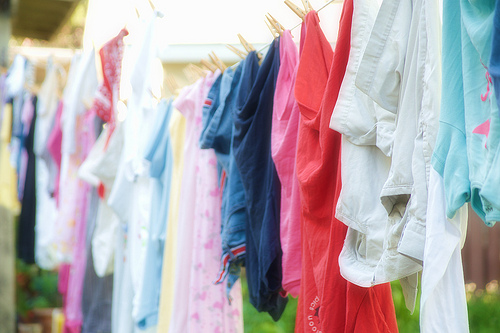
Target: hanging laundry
129, 196
443, 304
70, 227
217, 133
317, 168
252, 146
366, 130
159, 154
489, 192
199, 305
462, 155
26, 240
99, 170
284, 134
48, 109
97, 291
177, 130
73, 190
54, 145
327, 301
111, 59
19, 74
8, 181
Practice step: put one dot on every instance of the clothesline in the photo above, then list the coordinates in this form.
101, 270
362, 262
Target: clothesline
300, 23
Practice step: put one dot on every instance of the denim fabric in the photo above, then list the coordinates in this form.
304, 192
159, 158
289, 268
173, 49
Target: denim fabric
217, 134
252, 147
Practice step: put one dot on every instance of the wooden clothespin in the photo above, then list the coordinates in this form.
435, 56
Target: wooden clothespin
296, 9
248, 47
271, 28
197, 70
193, 72
172, 84
156, 98
281, 27
216, 60
307, 5
152, 5
190, 74
208, 65
237, 51
276, 25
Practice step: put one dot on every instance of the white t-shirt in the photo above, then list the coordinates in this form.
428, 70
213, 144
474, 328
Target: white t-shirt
130, 195
443, 304
100, 166
46, 170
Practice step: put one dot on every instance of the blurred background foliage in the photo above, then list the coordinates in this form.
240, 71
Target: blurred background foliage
483, 307
36, 288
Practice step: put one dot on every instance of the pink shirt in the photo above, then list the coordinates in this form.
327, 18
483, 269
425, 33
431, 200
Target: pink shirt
284, 134
200, 305
73, 210
54, 146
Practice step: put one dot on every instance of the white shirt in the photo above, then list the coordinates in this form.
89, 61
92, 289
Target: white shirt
443, 304
46, 211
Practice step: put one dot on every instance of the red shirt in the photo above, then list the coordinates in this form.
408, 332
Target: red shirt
327, 302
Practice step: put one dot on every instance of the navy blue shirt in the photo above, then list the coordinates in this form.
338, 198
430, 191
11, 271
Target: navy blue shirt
252, 148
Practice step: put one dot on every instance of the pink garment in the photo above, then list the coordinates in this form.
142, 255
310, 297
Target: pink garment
72, 221
62, 282
27, 114
200, 306
111, 59
284, 135
54, 146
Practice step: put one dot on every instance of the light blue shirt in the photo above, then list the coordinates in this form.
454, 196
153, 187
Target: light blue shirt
159, 154
463, 153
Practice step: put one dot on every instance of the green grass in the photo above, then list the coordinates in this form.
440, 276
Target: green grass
262, 322
483, 307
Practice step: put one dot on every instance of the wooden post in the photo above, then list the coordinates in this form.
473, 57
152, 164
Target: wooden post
7, 247
7, 272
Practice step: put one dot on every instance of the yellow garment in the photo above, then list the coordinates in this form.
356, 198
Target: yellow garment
177, 130
8, 176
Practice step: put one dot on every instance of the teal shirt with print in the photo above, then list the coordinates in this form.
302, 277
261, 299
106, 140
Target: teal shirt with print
465, 151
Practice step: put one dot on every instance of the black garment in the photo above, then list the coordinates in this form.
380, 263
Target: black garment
27, 219
252, 146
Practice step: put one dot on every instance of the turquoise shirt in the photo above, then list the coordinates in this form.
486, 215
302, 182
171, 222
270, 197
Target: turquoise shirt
464, 151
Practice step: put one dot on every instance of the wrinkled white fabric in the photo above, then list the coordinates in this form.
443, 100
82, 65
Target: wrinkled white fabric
400, 72
76, 95
443, 304
46, 171
100, 166
130, 196
368, 256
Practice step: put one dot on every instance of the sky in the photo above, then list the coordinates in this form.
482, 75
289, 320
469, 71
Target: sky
194, 22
